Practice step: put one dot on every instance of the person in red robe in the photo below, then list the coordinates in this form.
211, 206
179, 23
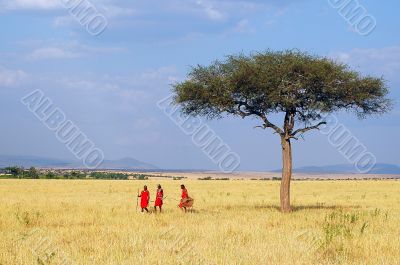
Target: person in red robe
159, 198
144, 199
185, 199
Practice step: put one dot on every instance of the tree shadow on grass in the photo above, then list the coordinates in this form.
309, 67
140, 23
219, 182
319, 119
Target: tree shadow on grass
298, 208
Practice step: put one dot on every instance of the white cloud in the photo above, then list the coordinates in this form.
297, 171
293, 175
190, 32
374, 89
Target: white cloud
218, 10
117, 11
167, 73
377, 61
243, 26
127, 15
128, 90
63, 21
270, 23
30, 4
211, 12
53, 50
52, 53
10, 78
109, 9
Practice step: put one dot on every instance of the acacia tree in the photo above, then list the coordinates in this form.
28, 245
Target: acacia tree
301, 86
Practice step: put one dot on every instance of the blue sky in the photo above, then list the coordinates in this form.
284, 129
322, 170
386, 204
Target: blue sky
109, 84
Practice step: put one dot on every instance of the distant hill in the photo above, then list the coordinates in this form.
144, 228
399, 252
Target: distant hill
126, 163
41, 162
379, 168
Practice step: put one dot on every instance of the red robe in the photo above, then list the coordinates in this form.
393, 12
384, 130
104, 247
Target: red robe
184, 197
144, 198
159, 197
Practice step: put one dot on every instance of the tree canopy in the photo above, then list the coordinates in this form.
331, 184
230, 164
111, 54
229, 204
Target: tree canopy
302, 85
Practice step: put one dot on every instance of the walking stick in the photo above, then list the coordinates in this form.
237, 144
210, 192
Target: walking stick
137, 199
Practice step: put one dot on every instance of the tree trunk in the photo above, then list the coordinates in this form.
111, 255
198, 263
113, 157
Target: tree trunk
286, 174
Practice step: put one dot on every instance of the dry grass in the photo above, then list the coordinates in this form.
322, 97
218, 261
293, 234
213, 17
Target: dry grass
234, 222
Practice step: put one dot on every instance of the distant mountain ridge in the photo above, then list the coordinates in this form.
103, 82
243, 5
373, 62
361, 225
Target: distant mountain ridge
379, 168
128, 163
41, 162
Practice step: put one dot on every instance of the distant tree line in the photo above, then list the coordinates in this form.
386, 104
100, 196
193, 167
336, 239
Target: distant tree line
20, 172
17, 172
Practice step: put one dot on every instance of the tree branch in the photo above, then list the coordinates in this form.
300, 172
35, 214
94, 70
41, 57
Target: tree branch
268, 124
306, 129
252, 111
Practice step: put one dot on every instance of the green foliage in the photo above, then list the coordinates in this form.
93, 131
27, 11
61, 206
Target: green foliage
50, 175
108, 175
141, 177
339, 228
20, 172
32, 173
292, 82
205, 178
15, 171
339, 224
77, 175
210, 178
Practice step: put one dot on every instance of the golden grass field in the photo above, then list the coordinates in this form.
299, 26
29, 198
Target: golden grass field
233, 222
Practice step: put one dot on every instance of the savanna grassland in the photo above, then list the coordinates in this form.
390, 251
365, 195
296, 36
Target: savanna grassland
233, 222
